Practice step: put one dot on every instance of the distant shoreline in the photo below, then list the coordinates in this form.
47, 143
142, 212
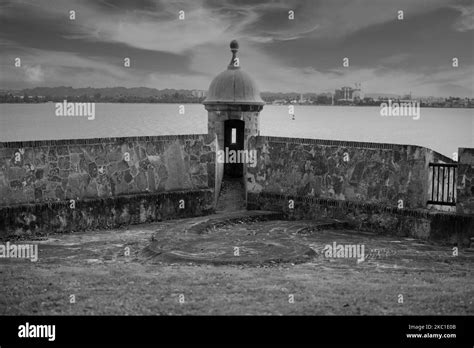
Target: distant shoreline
196, 102
146, 95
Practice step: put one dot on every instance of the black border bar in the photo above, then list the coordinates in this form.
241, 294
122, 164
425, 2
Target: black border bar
224, 330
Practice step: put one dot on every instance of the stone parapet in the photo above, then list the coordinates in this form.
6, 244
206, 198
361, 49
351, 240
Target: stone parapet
58, 170
31, 220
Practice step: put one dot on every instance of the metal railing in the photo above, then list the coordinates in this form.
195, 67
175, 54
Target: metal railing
443, 183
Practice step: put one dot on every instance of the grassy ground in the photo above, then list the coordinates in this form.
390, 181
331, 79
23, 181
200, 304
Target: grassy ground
93, 267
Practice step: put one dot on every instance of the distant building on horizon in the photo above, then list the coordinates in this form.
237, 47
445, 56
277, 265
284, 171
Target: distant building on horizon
349, 94
198, 93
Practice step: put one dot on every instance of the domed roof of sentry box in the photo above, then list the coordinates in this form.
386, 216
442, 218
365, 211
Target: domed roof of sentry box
233, 86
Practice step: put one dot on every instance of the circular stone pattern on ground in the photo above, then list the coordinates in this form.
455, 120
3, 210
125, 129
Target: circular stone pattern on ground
232, 242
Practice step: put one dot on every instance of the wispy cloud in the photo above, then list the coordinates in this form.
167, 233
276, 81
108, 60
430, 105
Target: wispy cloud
466, 21
34, 73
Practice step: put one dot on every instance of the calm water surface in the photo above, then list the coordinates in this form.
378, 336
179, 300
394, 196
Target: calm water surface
443, 130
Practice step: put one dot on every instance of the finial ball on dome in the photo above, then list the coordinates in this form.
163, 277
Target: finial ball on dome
234, 45
233, 86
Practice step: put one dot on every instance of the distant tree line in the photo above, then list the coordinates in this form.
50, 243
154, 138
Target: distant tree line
98, 98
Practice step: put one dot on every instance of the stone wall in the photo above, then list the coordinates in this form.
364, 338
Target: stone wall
465, 181
30, 220
52, 171
441, 227
353, 171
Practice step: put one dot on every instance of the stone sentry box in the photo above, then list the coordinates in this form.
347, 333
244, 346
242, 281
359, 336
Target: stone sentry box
232, 95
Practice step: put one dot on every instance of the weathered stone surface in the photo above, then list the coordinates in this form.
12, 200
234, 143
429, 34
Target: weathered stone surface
133, 170
64, 163
92, 169
77, 184
195, 168
465, 181
15, 184
16, 173
436, 226
144, 164
199, 181
382, 175
127, 177
39, 173
75, 159
91, 190
101, 213
208, 157
151, 179
52, 155
62, 151
59, 193
142, 182
38, 194
87, 169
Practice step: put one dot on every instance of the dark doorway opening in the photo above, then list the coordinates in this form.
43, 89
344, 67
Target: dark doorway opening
233, 143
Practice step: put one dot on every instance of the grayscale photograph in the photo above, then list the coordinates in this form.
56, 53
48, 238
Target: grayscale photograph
237, 159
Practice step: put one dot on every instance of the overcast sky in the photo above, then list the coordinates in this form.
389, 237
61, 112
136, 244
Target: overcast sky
302, 55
